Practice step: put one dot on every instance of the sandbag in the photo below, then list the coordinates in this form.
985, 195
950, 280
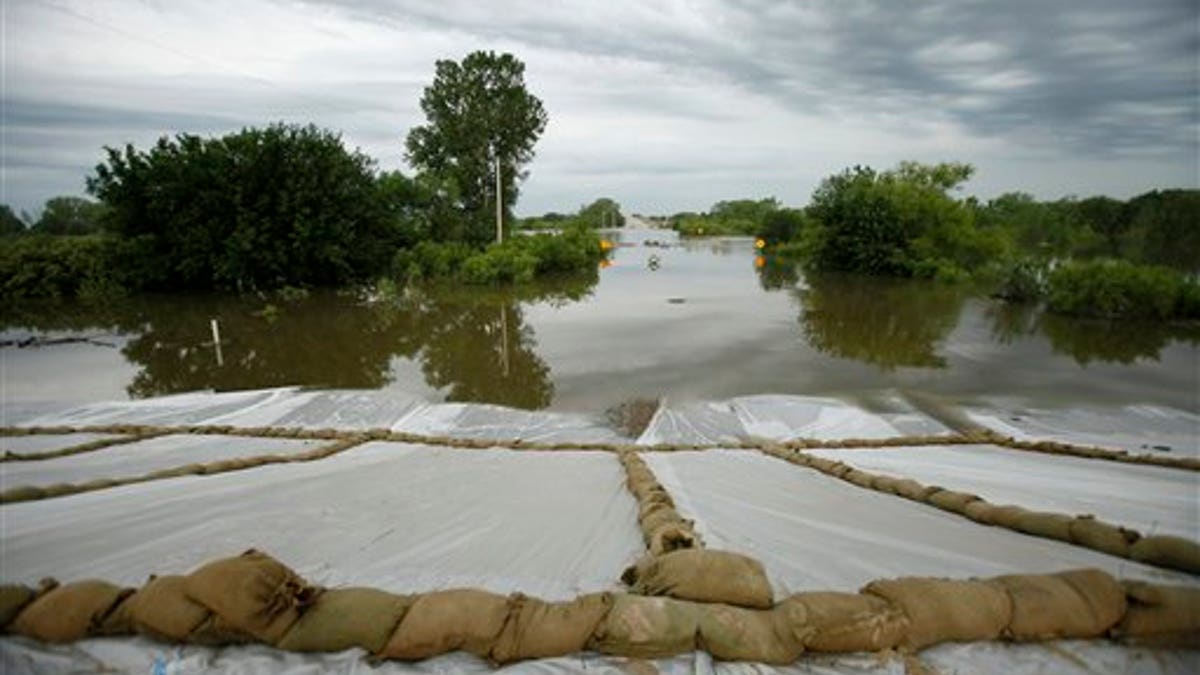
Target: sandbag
253, 592
69, 612
949, 500
991, 514
658, 517
1049, 525
1165, 616
706, 576
215, 631
648, 628
941, 610
444, 621
13, 598
672, 537
738, 634
537, 629
842, 622
345, 618
1089, 532
1074, 604
162, 610
1167, 551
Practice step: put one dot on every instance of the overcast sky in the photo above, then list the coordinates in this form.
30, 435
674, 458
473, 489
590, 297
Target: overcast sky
664, 105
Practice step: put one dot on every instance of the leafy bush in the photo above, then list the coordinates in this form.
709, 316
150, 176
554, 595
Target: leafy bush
783, 225
1120, 289
517, 260
39, 266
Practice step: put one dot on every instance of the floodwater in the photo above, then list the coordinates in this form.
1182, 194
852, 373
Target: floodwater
705, 319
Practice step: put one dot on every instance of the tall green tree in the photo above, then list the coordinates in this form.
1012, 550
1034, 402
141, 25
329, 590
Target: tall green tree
604, 212
476, 111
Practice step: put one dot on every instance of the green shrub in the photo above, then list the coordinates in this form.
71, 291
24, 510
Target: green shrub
61, 268
1120, 289
499, 264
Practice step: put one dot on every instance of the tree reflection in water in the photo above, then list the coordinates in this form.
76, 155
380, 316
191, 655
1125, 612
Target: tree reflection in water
471, 342
887, 322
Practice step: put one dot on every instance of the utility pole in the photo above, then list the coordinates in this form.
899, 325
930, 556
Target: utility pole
499, 204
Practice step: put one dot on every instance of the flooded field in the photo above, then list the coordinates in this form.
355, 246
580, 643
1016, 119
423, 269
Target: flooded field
693, 319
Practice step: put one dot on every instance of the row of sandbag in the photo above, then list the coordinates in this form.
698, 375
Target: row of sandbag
254, 598
24, 493
663, 529
1084, 530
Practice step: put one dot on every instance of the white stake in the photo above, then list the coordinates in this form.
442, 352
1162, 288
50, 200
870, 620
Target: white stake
216, 334
499, 204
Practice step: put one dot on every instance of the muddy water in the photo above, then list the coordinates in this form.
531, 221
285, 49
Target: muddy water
700, 319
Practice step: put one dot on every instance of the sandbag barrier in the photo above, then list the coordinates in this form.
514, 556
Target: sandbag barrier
1166, 551
676, 564
976, 435
129, 436
253, 598
26, 493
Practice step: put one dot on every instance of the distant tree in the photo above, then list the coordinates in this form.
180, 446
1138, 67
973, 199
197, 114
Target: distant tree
476, 111
745, 215
782, 225
259, 208
10, 224
1108, 218
70, 215
603, 212
1164, 228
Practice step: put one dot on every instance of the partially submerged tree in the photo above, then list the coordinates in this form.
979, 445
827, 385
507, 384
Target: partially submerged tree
70, 215
476, 111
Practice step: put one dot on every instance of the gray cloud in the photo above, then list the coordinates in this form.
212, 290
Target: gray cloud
666, 106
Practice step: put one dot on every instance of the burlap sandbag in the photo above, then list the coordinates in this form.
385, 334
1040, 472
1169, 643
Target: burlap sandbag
1166, 616
950, 500
904, 487
537, 629
1167, 551
859, 478
941, 610
706, 576
345, 618
69, 612
440, 622
215, 631
1088, 531
1049, 525
1074, 604
162, 610
657, 517
738, 634
672, 537
253, 592
842, 622
991, 514
648, 628
13, 599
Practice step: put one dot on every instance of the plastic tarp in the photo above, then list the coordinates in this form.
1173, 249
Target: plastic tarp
813, 532
399, 517
1139, 429
778, 417
142, 457
473, 420
1149, 499
40, 443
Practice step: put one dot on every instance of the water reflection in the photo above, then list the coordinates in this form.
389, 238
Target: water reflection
775, 273
472, 343
1089, 341
886, 322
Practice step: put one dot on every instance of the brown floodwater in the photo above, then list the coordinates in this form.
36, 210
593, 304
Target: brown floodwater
695, 319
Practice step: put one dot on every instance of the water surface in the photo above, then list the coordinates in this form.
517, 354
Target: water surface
705, 319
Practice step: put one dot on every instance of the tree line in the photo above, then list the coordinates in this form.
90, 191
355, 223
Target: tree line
291, 205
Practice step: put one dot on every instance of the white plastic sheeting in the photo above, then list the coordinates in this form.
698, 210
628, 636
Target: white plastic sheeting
778, 417
813, 532
142, 457
1150, 499
473, 420
400, 517
1139, 429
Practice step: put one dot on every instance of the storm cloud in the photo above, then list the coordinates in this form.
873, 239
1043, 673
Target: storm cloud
664, 106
